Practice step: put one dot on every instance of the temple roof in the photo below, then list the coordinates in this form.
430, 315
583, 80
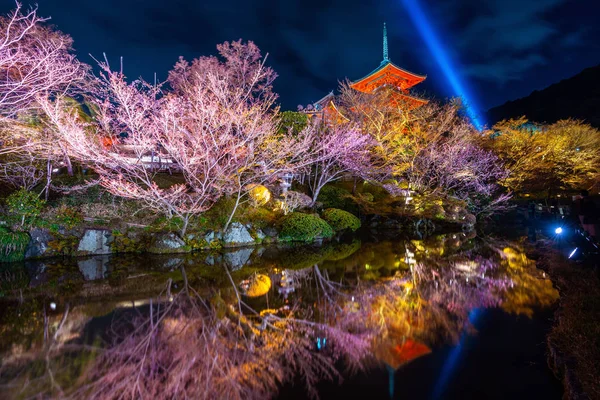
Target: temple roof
387, 73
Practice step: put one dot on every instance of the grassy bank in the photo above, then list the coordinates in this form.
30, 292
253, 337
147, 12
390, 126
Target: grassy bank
574, 342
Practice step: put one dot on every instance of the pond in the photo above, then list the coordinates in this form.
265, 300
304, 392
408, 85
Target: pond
450, 316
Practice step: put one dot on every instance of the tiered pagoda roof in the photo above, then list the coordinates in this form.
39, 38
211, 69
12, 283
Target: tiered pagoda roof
387, 75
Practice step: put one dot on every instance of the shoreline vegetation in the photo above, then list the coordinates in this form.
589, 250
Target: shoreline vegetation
78, 225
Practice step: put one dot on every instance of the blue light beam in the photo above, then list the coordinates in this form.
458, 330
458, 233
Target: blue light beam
435, 47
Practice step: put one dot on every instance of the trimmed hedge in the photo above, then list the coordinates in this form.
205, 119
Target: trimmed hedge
304, 227
341, 220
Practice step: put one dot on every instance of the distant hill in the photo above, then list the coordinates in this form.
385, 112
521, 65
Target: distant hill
577, 97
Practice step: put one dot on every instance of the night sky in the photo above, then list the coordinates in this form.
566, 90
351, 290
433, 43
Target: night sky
503, 49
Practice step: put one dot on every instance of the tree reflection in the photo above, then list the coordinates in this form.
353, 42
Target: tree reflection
350, 305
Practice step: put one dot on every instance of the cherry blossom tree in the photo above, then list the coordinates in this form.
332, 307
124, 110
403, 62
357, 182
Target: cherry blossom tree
123, 144
335, 150
216, 129
34, 60
230, 109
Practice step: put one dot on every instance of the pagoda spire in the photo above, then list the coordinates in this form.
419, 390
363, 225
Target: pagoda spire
385, 44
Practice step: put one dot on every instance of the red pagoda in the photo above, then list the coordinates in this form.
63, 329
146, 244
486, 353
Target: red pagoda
387, 75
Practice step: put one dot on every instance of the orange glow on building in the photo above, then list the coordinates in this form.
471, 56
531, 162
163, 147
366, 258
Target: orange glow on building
387, 75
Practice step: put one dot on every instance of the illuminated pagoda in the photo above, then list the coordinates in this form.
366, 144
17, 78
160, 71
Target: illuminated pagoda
387, 75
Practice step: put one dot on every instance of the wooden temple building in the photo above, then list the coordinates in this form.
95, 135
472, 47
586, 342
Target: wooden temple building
387, 76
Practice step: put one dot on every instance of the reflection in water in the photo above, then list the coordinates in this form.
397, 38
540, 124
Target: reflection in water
217, 331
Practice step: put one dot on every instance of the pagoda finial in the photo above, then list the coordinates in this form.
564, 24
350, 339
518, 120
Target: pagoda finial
385, 44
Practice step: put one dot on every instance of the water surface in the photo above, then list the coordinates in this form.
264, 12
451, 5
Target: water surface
450, 316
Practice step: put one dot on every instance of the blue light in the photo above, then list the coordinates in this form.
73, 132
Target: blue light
434, 45
454, 356
558, 230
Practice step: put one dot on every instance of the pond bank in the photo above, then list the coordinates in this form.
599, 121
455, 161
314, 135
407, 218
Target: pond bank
93, 240
574, 341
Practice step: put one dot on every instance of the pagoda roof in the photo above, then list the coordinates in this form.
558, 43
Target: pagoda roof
416, 101
387, 72
322, 102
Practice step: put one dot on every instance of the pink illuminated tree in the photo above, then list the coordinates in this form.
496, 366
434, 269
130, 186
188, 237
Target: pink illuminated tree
216, 128
335, 151
35, 60
230, 111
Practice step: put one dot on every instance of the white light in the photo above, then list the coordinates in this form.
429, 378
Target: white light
573, 252
558, 230
53, 306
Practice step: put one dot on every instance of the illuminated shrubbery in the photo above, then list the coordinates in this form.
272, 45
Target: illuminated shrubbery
341, 220
561, 156
25, 205
304, 227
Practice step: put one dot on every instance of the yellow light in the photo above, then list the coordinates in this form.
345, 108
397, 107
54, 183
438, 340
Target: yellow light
260, 195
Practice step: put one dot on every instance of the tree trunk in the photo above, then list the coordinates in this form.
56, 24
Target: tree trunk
48, 179
69, 165
186, 220
237, 203
315, 196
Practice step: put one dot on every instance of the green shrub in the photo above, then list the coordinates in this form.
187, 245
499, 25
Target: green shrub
69, 217
12, 245
259, 217
124, 243
64, 245
216, 217
336, 197
377, 191
292, 121
163, 223
340, 220
304, 227
25, 205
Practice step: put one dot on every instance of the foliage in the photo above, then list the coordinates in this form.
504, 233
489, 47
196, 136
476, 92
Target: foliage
12, 245
292, 122
69, 217
128, 243
340, 220
561, 156
64, 245
336, 197
304, 227
433, 147
26, 205
260, 217
335, 150
163, 223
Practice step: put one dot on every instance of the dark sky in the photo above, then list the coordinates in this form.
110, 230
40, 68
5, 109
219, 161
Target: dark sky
503, 49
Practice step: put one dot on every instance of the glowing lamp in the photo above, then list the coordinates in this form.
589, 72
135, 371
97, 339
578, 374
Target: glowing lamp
558, 230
